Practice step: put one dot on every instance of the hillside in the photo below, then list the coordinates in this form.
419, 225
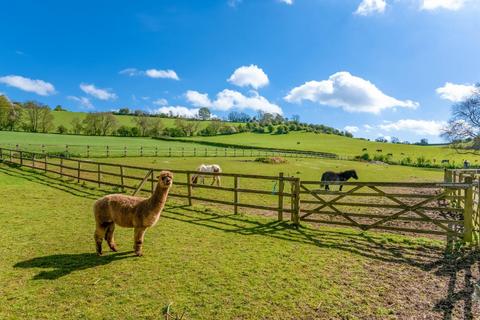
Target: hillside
343, 146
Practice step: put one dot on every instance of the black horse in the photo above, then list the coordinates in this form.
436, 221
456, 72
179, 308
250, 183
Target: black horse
338, 176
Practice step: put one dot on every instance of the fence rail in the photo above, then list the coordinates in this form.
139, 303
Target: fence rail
106, 151
449, 208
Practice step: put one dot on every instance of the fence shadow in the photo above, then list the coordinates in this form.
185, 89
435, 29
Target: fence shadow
457, 266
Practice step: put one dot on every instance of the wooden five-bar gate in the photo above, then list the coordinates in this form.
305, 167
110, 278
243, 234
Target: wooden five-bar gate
449, 208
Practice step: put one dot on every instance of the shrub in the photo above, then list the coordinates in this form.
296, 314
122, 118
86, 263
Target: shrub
271, 160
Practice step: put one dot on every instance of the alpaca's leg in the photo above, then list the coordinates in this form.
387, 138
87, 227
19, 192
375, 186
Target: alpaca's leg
98, 236
218, 181
109, 237
139, 234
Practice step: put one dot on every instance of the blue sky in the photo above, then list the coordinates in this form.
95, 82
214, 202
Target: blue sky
375, 67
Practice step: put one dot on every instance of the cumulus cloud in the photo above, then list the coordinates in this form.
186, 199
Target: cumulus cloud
349, 92
101, 94
151, 73
161, 102
39, 87
419, 127
351, 129
83, 101
250, 75
177, 111
442, 4
369, 7
231, 99
287, 1
165, 74
456, 92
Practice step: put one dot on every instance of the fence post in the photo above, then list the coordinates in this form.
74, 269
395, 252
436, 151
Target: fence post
21, 158
280, 196
216, 152
194, 152
66, 150
88, 151
234, 152
468, 212
156, 151
169, 151
296, 204
33, 160
45, 162
10, 155
98, 174
121, 178
189, 186
183, 151
78, 171
206, 152
108, 151
235, 195
61, 167
43, 148
225, 152
124, 151
141, 151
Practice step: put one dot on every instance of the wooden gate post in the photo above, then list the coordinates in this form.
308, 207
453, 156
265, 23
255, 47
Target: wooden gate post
296, 205
61, 167
98, 174
468, 212
121, 179
79, 170
280, 196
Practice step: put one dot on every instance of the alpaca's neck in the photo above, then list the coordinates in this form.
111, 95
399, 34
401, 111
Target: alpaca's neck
158, 199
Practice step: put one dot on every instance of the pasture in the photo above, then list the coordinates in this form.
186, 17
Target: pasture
213, 265
343, 146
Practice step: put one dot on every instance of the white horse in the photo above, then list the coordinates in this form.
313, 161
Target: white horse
214, 168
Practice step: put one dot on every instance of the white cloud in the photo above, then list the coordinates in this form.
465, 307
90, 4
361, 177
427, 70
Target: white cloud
369, 7
419, 127
165, 74
39, 87
102, 94
250, 75
177, 111
351, 129
151, 73
83, 101
289, 2
456, 92
230, 99
161, 102
346, 91
234, 3
442, 4
131, 72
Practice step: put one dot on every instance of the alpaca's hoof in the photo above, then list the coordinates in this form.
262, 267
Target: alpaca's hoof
99, 254
114, 248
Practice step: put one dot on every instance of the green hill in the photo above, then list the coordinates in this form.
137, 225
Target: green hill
343, 146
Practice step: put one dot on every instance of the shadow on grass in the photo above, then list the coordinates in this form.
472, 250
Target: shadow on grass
456, 266
64, 264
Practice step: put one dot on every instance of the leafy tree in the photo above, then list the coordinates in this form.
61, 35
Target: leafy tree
10, 114
464, 125
155, 127
423, 141
235, 116
59, 108
296, 118
124, 131
124, 111
381, 139
39, 117
395, 140
142, 123
77, 127
189, 127
212, 129
62, 129
204, 113
270, 128
100, 123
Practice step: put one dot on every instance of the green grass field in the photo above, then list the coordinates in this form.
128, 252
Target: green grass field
212, 265
342, 146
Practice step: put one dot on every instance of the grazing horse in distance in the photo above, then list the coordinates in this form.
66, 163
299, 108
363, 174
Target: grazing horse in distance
213, 168
338, 176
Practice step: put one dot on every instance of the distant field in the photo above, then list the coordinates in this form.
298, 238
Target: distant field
342, 146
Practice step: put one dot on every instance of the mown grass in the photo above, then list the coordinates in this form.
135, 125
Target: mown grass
208, 263
342, 146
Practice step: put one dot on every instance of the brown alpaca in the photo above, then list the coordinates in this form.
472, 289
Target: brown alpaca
130, 212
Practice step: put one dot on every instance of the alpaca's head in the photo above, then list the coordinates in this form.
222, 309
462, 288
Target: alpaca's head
165, 179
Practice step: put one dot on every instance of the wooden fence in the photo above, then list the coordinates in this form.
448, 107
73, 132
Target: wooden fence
449, 208
106, 151
469, 176
256, 190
